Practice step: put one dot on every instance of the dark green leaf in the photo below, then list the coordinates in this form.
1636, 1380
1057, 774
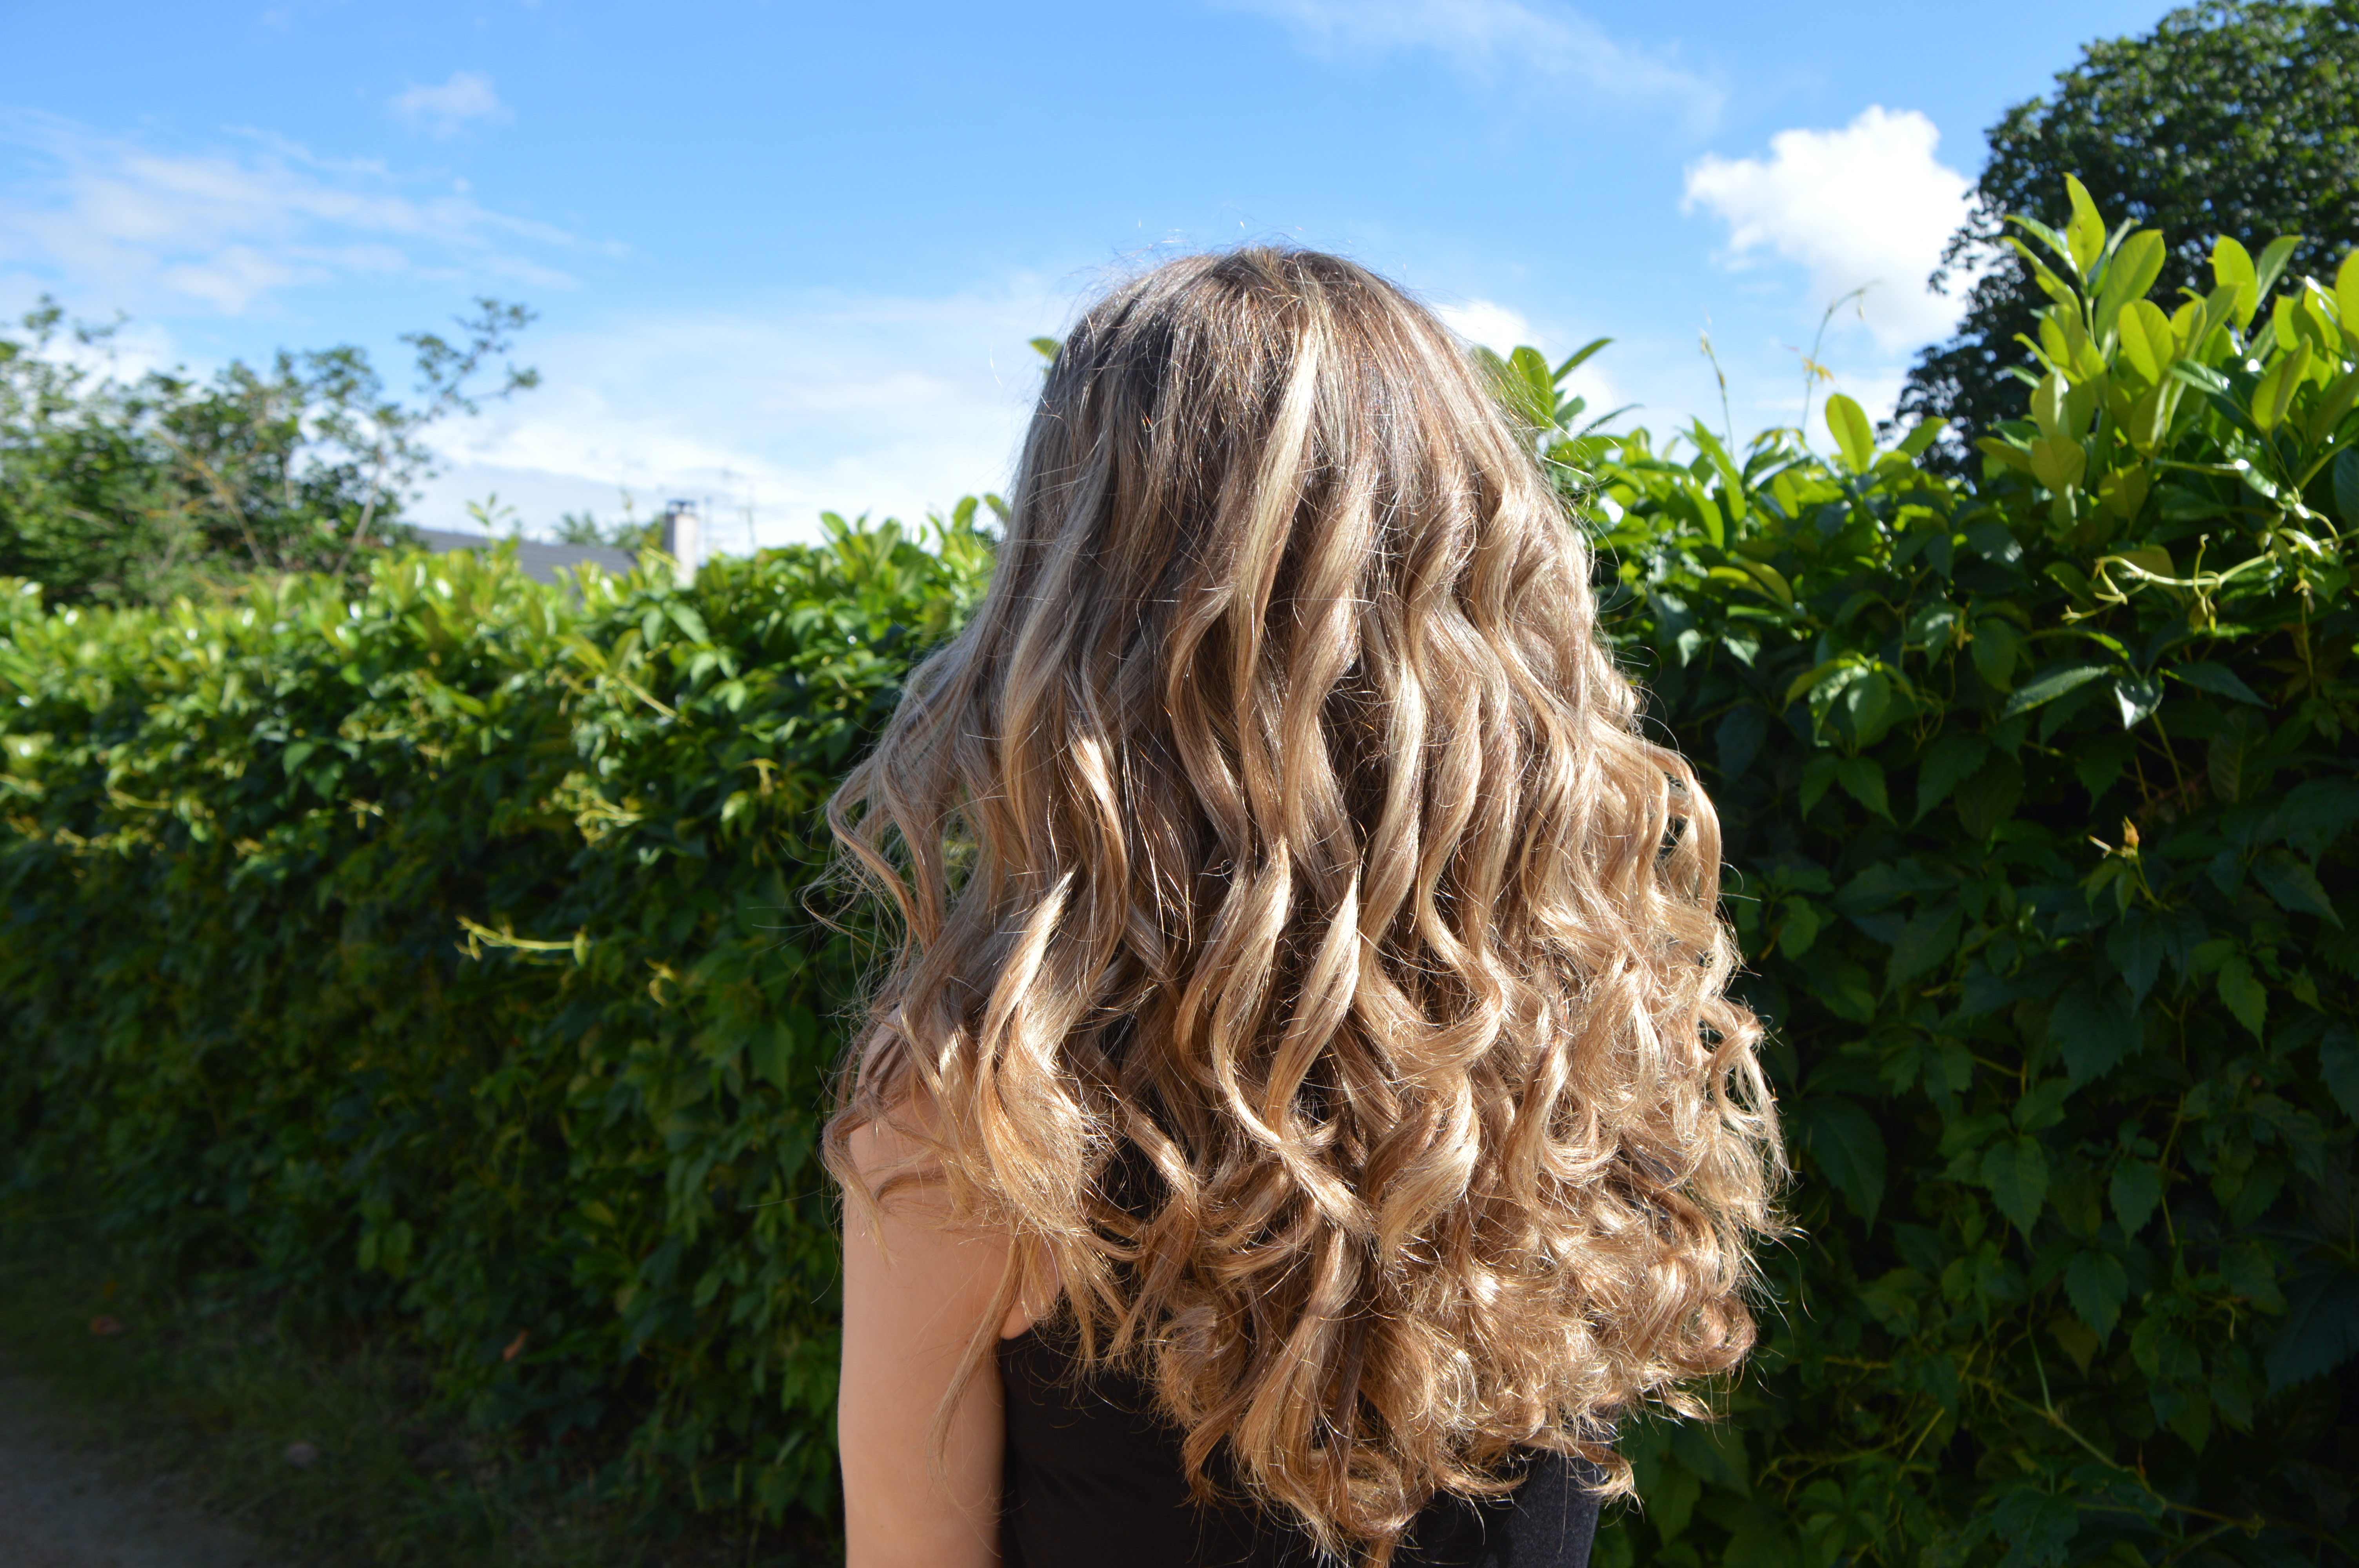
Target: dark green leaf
1739, 738
2137, 945
2321, 1326
2137, 1192
1991, 796
2294, 885
2016, 1171
2317, 812
1928, 938
2097, 1286
2338, 1062
2052, 683
1995, 647
1862, 779
1994, 542
2244, 993
1818, 775
2217, 679
2224, 763
2095, 1027
1843, 1141
1954, 754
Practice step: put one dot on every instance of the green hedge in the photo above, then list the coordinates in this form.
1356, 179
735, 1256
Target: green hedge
2038, 797
441, 958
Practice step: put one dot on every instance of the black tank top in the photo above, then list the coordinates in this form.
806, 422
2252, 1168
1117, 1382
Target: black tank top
1093, 1476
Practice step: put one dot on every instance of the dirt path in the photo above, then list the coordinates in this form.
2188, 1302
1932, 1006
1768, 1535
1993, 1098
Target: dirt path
60, 1508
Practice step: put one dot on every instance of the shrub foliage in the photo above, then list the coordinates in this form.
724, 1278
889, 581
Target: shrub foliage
438, 956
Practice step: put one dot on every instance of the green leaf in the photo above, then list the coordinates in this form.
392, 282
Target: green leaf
1818, 775
1865, 702
2136, 946
2217, 679
2274, 395
2096, 1285
770, 1051
1809, 680
1954, 754
2060, 462
1928, 938
2128, 275
2051, 408
2052, 683
2224, 763
1862, 779
1995, 647
1800, 927
2317, 812
2016, 1171
2244, 993
2328, 411
1991, 796
1579, 357
1921, 437
2338, 1065
1714, 1451
1739, 738
2252, 1273
1848, 423
1771, 579
2346, 487
2294, 885
2043, 1107
1845, 1145
2095, 1028
2232, 269
2138, 697
2137, 1192
2322, 1327
2274, 256
2084, 237
2346, 293
1994, 541
2147, 342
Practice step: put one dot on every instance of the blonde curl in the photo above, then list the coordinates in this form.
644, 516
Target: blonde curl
1303, 952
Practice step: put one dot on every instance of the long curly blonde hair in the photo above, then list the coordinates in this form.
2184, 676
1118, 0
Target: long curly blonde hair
1303, 952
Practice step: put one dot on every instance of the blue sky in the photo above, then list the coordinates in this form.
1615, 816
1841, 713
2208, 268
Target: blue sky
787, 255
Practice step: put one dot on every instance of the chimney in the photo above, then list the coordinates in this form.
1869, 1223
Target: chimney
683, 536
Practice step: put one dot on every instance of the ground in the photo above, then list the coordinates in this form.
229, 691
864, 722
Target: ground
62, 1504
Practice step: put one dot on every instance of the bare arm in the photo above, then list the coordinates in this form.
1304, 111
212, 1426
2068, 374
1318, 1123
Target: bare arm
913, 1295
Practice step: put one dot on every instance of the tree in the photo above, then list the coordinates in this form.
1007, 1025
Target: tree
2237, 118
584, 528
130, 492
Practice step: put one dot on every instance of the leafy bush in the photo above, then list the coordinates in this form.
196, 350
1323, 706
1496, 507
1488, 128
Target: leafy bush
2038, 797
438, 956
115, 492
2230, 116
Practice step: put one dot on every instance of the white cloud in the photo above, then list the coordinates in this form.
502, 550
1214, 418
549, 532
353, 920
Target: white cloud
1866, 204
145, 228
1497, 37
1489, 323
822, 401
1502, 330
444, 110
